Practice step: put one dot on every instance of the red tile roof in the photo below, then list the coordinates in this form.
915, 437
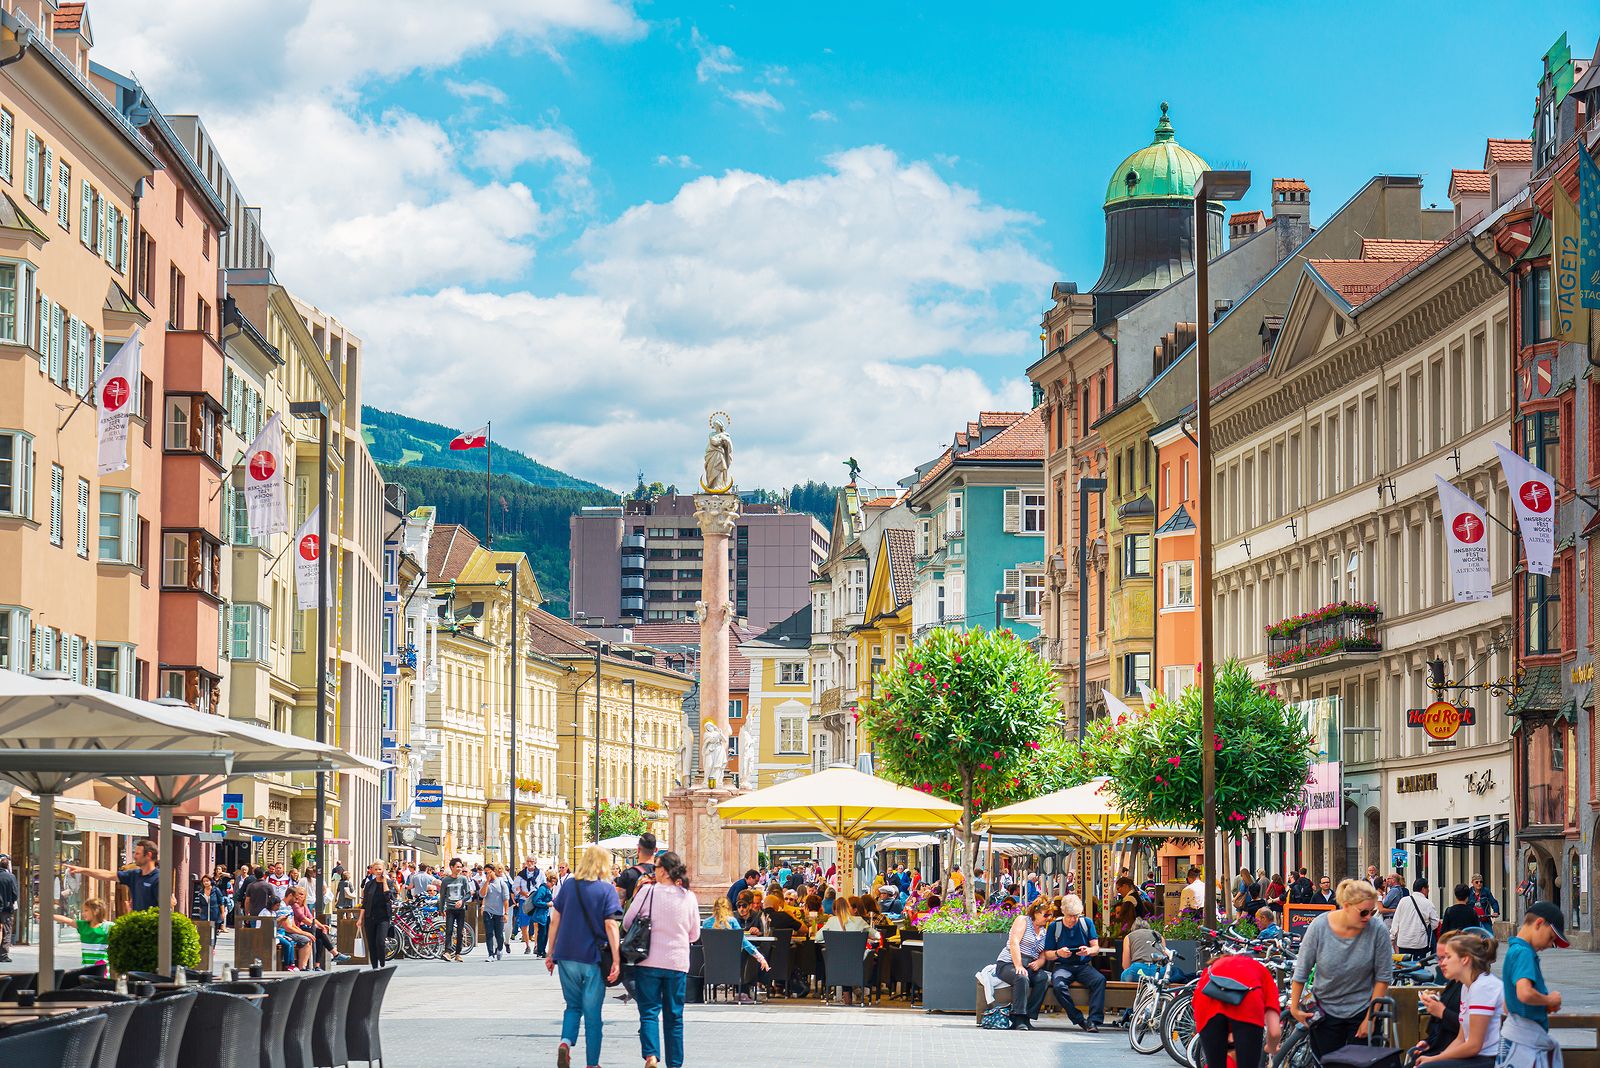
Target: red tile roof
1397, 249
1354, 280
999, 418
1290, 185
1245, 217
1022, 440
1469, 183
69, 16
449, 549
902, 545
881, 502
1508, 150
673, 637
556, 637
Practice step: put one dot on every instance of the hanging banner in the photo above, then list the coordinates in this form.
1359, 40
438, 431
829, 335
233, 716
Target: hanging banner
1533, 496
307, 561
263, 481
115, 392
1571, 320
1589, 239
1466, 535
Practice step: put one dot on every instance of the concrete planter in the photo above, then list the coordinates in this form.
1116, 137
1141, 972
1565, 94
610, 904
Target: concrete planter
949, 962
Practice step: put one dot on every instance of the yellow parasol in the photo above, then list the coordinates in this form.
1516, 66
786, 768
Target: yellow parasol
844, 804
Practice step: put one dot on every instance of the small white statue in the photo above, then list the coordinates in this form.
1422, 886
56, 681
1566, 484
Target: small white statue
719, 456
700, 611
713, 751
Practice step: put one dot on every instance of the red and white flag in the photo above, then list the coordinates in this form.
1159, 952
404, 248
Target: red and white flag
472, 439
307, 560
116, 392
1533, 496
1466, 535
263, 481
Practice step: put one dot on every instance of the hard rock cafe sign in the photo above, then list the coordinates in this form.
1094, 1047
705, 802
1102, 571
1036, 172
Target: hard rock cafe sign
1441, 719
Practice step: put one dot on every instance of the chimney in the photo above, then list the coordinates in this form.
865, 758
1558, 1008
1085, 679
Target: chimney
1291, 213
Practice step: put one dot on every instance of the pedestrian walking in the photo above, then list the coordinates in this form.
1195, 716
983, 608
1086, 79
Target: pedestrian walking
1483, 901
1529, 1001
1415, 923
584, 939
1251, 1022
1349, 949
496, 896
377, 912
543, 896
454, 890
528, 879
661, 977
641, 873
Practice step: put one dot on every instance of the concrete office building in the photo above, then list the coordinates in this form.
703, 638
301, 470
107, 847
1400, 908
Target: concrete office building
641, 562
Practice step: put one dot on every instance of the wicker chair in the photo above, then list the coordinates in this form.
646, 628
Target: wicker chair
155, 1032
361, 1037
327, 1036
70, 1043
224, 1031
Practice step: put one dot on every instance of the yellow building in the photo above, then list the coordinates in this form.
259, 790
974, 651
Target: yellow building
776, 734
1130, 535
885, 631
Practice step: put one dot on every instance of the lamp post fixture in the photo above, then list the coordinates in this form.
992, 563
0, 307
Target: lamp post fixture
516, 680
1000, 601
1213, 185
1086, 486
599, 647
633, 741
316, 410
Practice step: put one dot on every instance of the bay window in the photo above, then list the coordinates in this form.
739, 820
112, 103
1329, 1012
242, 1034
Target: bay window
113, 668
1178, 584
119, 514
16, 474
16, 301
14, 638
247, 632
1135, 671
1136, 556
1032, 595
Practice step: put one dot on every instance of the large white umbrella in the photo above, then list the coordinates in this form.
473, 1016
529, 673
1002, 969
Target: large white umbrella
55, 733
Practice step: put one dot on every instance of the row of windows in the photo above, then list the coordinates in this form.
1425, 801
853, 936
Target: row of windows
102, 226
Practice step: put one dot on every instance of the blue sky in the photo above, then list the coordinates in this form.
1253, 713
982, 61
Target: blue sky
595, 222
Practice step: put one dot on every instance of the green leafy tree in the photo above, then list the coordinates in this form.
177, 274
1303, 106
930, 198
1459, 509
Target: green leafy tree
1264, 750
972, 718
618, 819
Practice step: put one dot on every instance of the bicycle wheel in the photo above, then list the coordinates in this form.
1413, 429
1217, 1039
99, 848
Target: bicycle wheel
430, 939
393, 945
1144, 1024
1295, 1051
1177, 1028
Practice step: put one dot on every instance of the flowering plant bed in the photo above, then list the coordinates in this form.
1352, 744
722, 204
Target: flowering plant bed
1286, 628
1299, 654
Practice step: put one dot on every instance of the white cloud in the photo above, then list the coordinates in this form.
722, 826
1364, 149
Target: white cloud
475, 91
717, 62
754, 100
504, 149
684, 162
824, 116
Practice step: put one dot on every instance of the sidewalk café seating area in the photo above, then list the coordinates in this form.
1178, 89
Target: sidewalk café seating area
280, 1020
891, 972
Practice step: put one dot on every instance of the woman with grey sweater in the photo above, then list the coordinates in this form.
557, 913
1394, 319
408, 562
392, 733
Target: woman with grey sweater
1346, 952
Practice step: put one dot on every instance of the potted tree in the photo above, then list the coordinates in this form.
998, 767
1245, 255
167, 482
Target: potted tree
134, 942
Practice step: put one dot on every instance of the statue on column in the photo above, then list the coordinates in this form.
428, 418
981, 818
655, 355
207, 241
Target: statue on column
713, 752
719, 456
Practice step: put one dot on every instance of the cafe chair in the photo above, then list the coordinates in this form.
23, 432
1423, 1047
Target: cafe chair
81, 994
844, 960
117, 1014
241, 987
281, 996
156, 1031
223, 1031
61, 1043
327, 1036
302, 1019
361, 1037
73, 978
724, 959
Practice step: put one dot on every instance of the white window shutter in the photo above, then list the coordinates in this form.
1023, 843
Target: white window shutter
99, 358
86, 214
44, 334
1013, 587
58, 332
1013, 511
122, 246
6, 127
108, 245
64, 193
49, 181
30, 177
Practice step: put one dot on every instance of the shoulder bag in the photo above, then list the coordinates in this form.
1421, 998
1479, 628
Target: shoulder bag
1226, 990
635, 944
598, 927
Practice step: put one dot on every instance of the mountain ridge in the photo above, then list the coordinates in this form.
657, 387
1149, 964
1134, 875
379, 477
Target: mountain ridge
400, 440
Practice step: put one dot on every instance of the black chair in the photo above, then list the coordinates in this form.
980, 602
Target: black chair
224, 1031
844, 961
241, 987
6, 982
780, 959
302, 1019
70, 1043
724, 958
281, 995
74, 978
44, 1022
117, 1015
95, 984
361, 1038
333, 1016
81, 994
155, 1031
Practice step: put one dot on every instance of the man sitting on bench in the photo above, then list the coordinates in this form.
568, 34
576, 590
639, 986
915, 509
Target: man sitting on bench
1069, 948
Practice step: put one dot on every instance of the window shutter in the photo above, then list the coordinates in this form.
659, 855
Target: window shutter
108, 244
57, 488
44, 334
83, 517
101, 215
33, 647
1013, 587
49, 179
86, 214
1013, 511
72, 353
122, 246
99, 358
64, 192
6, 127
30, 176
58, 332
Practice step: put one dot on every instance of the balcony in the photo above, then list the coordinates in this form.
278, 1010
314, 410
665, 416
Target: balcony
830, 700
1328, 639
632, 582
633, 541
633, 561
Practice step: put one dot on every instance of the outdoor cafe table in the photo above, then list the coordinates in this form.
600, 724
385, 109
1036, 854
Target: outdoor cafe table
15, 1014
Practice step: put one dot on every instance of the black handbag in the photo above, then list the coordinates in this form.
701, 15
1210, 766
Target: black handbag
635, 945
1228, 991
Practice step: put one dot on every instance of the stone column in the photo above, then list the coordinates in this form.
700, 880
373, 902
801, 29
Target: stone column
718, 515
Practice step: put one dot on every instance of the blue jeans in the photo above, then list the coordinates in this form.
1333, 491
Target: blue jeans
494, 933
1131, 973
584, 989
659, 992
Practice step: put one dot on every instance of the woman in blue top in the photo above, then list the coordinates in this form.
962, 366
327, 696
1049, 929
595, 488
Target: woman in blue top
542, 896
722, 918
1070, 946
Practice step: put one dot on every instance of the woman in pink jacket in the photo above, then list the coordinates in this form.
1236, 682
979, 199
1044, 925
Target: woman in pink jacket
659, 980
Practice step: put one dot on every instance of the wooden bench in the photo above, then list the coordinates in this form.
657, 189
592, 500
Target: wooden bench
1119, 996
1586, 1052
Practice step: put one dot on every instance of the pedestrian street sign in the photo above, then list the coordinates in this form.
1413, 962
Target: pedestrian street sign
1399, 857
430, 795
232, 807
144, 810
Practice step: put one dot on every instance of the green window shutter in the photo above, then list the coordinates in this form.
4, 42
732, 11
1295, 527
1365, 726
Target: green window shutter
86, 214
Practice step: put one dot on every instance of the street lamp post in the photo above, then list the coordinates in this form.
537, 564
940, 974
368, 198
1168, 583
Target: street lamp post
316, 410
1000, 601
633, 741
516, 679
1213, 185
1086, 486
598, 647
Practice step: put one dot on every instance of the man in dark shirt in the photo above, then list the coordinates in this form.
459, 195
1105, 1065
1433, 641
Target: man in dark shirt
377, 912
454, 890
628, 881
751, 879
1323, 895
143, 880
748, 907
1461, 915
1300, 890
8, 906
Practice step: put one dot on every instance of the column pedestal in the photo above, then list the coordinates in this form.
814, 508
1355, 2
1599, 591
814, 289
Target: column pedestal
715, 854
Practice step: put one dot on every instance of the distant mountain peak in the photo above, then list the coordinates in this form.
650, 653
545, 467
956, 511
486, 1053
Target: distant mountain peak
402, 441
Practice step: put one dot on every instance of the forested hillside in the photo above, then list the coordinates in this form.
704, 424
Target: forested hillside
404, 441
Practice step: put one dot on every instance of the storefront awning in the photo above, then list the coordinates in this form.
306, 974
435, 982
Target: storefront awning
1460, 835
87, 814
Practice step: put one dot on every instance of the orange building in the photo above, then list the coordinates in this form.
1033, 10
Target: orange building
1177, 635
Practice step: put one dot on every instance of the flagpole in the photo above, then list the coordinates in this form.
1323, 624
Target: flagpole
488, 480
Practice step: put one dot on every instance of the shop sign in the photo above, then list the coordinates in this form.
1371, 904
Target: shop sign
1480, 782
1320, 805
1417, 784
1581, 675
1441, 720
1399, 857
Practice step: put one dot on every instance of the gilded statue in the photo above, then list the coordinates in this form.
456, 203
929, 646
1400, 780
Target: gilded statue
719, 456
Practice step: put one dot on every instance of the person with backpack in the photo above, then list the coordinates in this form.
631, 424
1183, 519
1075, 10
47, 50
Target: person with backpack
1300, 889
523, 884
641, 872
661, 975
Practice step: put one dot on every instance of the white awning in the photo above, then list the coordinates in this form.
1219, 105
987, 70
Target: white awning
1453, 831
87, 814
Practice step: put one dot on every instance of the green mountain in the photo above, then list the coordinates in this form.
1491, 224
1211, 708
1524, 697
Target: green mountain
403, 441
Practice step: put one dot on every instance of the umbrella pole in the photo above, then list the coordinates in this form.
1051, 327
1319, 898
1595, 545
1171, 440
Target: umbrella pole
164, 929
45, 899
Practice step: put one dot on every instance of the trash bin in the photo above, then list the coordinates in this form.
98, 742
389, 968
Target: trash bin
347, 933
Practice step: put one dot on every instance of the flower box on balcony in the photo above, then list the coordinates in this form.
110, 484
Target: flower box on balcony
1361, 610
1342, 627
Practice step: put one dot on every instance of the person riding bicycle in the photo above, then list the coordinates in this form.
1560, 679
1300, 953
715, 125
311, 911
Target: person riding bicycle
1349, 949
1237, 998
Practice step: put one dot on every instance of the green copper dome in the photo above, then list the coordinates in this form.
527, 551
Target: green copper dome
1163, 169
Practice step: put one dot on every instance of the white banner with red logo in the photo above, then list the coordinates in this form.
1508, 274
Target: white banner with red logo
1466, 534
1533, 495
115, 392
263, 481
307, 560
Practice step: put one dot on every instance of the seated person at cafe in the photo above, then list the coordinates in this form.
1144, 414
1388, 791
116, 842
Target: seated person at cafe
780, 919
1142, 949
722, 918
845, 919
1070, 946
750, 915
1267, 924
890, 901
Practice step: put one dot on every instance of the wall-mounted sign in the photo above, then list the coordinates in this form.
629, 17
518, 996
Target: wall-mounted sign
430, 796
1399, 857
1581, 675
1441, 720
232, 807
144, 809
1480, 782
1417, 784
